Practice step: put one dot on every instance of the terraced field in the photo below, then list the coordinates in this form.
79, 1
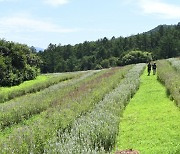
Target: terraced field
81, 112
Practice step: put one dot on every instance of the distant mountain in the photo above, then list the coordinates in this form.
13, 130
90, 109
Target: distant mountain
39, 49
157, 29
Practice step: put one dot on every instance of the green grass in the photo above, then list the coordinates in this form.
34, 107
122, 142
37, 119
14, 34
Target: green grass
7, 93
25, 84
151, 122
32, 86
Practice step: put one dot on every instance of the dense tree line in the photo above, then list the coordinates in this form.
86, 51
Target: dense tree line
161, 42
18, 63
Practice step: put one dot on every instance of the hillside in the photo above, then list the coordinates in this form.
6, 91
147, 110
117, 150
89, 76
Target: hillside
22, 62
159, 28
160, 42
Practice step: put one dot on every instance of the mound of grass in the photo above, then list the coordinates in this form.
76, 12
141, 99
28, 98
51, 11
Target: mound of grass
150, 122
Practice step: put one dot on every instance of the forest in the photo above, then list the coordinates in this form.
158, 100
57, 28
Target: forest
19, 62
158, 43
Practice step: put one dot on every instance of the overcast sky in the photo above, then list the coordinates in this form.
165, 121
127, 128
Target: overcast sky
40, 22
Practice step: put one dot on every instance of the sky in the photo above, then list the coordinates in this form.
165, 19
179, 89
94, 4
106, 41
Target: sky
41, 22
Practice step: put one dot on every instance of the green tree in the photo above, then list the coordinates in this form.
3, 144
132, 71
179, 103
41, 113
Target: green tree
17, 63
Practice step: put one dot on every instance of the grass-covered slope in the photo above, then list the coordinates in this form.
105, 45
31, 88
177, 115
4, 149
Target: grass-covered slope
150, 122
32, 86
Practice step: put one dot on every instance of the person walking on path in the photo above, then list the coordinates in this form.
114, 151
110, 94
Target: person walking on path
149, 68
154, 68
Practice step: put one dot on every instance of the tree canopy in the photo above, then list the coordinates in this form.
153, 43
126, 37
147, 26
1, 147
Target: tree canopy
18, 63
161, 42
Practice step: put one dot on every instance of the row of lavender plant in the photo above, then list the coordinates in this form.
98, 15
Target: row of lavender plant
96, 131
8, 93
34, 134
175, 62
170, 78
24, 107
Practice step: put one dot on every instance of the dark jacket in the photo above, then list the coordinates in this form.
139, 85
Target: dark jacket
154, 66
149, 66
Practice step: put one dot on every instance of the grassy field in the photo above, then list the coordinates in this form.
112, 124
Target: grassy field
150, 123
81, 112
28, 127
32, 86
95, 131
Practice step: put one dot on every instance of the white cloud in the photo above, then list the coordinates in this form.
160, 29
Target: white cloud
160, 8
27, 24
56, 2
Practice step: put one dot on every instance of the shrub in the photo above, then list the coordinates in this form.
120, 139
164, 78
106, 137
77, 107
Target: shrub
134, 57
17, 63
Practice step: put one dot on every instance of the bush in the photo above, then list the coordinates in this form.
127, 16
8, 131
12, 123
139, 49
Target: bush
17, 63
105, 63
134, 57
